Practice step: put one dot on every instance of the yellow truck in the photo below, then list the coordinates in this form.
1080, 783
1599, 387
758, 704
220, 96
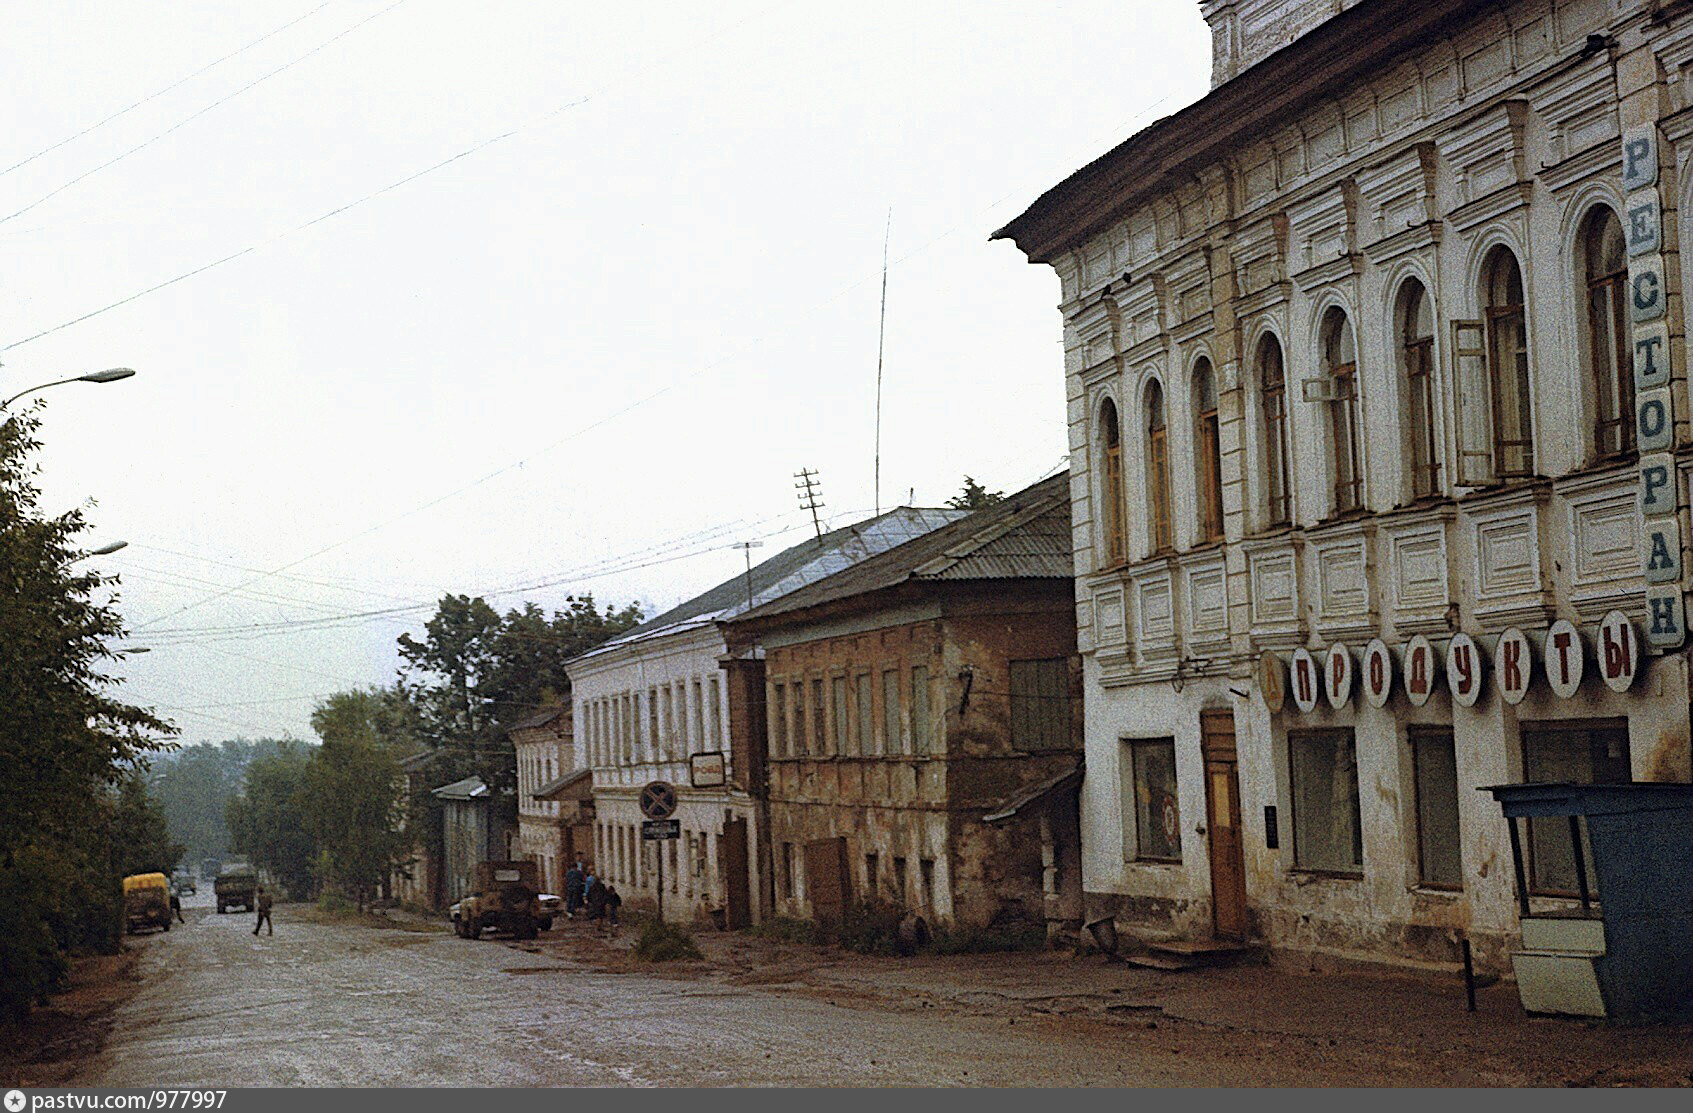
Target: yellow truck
506, 898
146, 901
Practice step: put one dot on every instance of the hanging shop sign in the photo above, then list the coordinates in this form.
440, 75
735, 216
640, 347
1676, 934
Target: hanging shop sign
1564, 658
1303, 679
1648, 299
1619, 651
1513, 665
1272, 681
1338, 673
1419, 670
1377, 673
1463, 670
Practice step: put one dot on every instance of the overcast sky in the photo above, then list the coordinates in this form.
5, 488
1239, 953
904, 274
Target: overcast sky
589, 355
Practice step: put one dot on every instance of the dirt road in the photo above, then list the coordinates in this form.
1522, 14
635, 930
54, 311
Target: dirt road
330, 1004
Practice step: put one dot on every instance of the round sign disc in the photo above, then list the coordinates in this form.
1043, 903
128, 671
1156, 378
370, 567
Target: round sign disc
1564, 658
1337, 675
1619, 651
1420, 665
1463, 670
1378, 673
1272, 680
658, 800
1305, 681
1513, 665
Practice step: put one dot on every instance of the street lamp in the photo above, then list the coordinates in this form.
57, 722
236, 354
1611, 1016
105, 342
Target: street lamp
105, 550
109, 375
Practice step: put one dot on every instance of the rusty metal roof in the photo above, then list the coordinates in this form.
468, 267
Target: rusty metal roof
1025, 537
1035, 793
471, 788
554, 788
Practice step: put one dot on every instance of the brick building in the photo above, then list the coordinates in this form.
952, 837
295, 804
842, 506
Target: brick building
656, 703
914, 695
545, 751
1377, 400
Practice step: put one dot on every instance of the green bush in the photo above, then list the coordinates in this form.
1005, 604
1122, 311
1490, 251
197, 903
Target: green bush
870, 928
661, 942
336, 903
785, 929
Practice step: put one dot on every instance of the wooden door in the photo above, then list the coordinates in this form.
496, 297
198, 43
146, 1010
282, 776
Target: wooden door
828, 885
737, 886
1222, 821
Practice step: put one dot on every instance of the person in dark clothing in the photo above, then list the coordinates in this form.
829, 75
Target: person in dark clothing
594, 897
575, 885
264, 915
176, 907
612, 903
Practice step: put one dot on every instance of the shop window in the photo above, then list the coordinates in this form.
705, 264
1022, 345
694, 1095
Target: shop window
1111, 492
1608, 332
1416, 357
838, 690
894, 736
796, 739
1323, 770
1579, 753
1272, 402
1040, 704
1208, 456
866, 716
921, 726
1158, 469
1439, 862
1157, 816
1340, 392
819, 740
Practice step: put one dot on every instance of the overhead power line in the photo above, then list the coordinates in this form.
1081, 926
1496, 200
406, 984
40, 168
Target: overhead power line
178, 83
185, 121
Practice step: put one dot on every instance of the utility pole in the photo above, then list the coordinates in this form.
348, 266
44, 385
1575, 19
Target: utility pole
810, 489
881, 337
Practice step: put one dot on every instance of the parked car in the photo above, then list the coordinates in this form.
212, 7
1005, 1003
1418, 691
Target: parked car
182, 882
146, 902
552, 906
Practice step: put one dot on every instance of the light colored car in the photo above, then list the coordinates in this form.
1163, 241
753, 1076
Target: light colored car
551, 907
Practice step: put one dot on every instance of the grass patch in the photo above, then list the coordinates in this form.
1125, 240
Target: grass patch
664, 942
871, 928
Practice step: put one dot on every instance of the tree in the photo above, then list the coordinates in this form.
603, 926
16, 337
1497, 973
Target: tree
974, 496
67, 744
194, 787
354, 798
267, 820
141, 841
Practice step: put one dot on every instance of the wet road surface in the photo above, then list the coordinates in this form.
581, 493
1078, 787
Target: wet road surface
348, 1005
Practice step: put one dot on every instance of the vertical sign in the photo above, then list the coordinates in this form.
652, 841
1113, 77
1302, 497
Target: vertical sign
1654, 417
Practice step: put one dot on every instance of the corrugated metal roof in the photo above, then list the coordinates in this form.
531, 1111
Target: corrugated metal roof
792, 569
471, 788
1027, 536
559, 784
1017, 801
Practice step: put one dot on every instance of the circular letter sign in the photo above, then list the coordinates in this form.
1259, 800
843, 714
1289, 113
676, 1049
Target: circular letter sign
1463, 670
1378, 673
1513, 665
1564, 658
1304, 680
1419, 670
1337, 675
1619, 651
1272, 681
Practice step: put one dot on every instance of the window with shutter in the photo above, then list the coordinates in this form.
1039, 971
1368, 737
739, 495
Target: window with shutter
1473, 400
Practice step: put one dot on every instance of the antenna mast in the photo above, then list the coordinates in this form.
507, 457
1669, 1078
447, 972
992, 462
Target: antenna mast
881, 337
810, 490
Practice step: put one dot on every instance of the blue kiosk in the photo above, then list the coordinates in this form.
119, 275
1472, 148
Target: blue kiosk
1629, 958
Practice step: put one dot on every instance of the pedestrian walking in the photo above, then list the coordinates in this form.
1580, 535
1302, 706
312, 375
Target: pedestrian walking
594, 898
264, 914
612, 903
575, 885
176, 907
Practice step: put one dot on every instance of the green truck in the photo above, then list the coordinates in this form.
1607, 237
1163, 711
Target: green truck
506, 898
235, 885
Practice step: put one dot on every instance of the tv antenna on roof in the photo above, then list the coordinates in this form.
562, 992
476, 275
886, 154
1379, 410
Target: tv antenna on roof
810, 489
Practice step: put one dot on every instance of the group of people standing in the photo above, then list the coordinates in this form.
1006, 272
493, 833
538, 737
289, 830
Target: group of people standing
586, 891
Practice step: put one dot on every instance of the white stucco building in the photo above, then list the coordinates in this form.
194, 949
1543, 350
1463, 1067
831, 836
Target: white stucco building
1375, 372
650, 703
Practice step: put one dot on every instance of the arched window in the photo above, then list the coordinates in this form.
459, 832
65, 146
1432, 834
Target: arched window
1272, 400
1158, 469
1609, 363
1507, 365
1111, 480
1340, 361
1209, 456
1416, 362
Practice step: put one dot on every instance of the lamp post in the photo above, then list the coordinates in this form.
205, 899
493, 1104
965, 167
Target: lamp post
109, 375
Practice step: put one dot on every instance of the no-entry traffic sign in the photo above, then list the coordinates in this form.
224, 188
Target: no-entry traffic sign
658, 800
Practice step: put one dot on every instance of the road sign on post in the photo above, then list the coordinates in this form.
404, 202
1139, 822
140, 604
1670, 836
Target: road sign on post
658, 800
652, 830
